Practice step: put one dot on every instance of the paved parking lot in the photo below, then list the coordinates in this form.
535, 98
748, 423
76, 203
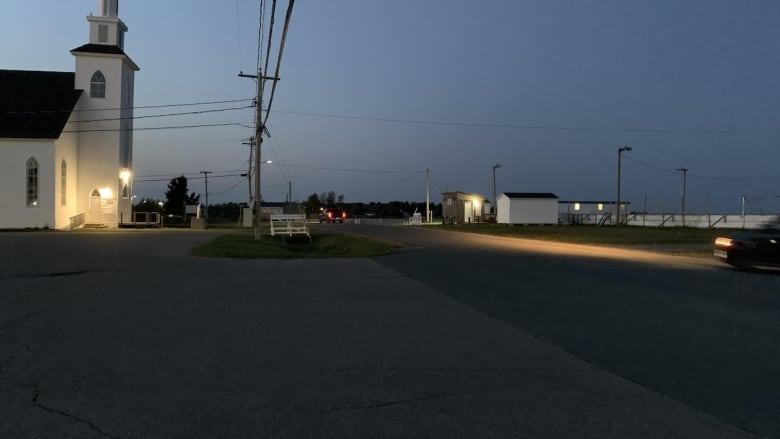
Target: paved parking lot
124, 335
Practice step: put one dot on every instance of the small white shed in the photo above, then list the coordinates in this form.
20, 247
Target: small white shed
527, 208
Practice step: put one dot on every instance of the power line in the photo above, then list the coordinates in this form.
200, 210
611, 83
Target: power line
230, 188
188, 104
188, 178
187, 113
701, 177
270, 36
205, 125
279, 58
184, 174
528, 127
372, 171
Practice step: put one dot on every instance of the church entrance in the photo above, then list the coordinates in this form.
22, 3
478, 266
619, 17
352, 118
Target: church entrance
95, 212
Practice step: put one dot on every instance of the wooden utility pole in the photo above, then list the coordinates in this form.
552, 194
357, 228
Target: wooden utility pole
259, 130
427, 195
206, 210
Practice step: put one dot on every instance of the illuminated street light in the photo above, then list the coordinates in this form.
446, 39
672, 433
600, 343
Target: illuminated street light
617, 205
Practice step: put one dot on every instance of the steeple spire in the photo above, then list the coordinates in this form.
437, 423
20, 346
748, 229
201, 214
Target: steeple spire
108, 8
106, 28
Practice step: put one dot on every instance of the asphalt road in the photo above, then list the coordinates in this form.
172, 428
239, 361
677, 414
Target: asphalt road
126, 335
694, 330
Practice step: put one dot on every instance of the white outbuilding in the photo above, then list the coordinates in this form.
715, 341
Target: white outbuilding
527, 208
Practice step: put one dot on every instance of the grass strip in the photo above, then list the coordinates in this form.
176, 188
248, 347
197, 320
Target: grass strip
244, 246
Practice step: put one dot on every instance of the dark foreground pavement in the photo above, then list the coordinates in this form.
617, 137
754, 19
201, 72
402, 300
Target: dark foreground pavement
125, 335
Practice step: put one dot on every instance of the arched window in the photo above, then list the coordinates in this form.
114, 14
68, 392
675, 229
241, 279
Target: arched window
32, 182
63, 183
97, 87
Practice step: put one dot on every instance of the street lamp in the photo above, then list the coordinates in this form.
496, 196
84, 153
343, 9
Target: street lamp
682, 195
494, 208
617, 206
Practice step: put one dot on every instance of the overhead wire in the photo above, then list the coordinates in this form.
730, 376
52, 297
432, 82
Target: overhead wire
151, 116
176, 127
143, 107
529, 127
188, 178
702, 177
282, 42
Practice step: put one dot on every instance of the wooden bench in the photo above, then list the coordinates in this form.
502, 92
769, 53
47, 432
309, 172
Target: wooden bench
289, 225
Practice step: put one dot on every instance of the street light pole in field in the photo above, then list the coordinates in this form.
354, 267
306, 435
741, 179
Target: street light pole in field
682, 195
617, 205
494, 208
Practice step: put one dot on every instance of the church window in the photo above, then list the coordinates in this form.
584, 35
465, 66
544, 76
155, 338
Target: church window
63, 183
32, 182
102, 33
98, 86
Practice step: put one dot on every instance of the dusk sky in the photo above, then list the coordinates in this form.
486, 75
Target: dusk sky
374, 92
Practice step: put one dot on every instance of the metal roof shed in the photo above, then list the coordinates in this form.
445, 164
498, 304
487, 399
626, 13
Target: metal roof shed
527, 208
463, 208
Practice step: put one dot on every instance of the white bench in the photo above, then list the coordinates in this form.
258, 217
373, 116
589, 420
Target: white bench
289, 225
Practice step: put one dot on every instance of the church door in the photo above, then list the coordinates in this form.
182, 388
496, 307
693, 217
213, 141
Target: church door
95, 213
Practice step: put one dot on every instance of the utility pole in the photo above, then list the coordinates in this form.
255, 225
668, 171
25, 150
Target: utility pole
494, 208
427, 195
289, 192
682, 195
251, 144
206, 210
617, 206
259, 130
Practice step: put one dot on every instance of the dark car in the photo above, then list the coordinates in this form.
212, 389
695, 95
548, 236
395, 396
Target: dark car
333, 215
750, 249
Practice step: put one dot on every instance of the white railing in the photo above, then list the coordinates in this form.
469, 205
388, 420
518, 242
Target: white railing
289, 225
78, 220
704, 221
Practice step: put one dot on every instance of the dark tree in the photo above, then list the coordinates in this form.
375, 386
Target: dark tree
176, 197
313, 204
148, 205
328, 198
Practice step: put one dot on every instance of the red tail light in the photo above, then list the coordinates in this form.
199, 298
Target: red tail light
330, 214
343, 214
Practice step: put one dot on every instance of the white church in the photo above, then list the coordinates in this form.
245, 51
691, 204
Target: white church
66, 138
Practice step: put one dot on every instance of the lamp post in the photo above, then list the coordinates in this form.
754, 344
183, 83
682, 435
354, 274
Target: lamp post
494, 208
682, 195
617, 205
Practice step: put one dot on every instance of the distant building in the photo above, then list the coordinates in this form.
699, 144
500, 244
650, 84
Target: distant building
463, 208
66, 138
527, 208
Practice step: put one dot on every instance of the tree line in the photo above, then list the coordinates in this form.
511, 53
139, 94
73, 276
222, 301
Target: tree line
178, 196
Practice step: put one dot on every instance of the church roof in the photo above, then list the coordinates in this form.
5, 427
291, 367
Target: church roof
35, 105
100, 48
104, 49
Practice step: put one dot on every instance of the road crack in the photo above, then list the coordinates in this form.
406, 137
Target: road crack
35, 400
456, 369
423, 398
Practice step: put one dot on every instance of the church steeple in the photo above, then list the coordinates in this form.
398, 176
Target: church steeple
106, 28
108, 8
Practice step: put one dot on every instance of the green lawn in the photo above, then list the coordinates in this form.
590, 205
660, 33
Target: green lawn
243, 245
